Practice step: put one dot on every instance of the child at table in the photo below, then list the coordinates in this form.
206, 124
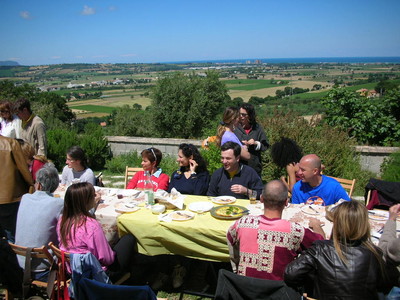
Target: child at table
79, 232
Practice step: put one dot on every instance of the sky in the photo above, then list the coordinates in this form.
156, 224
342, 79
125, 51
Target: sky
37, 32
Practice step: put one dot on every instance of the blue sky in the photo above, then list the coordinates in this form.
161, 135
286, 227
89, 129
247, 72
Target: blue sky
37, 32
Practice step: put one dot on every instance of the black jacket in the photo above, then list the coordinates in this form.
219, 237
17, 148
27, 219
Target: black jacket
257, 133
360, 279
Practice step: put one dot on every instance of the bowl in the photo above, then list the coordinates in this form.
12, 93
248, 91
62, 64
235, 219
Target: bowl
158, 209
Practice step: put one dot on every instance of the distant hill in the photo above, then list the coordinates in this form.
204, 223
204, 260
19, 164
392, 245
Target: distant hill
9, 63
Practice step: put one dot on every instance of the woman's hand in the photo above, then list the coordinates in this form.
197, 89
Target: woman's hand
192, 165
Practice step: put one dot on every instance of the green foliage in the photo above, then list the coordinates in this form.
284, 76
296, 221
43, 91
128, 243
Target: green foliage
58, 142
390, 168
334, 147
185, 104
130, 121
92, 142
95, 146
117, 164
370, 121
212, 156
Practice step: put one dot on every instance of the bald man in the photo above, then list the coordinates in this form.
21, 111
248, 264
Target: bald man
314, 188
262, 246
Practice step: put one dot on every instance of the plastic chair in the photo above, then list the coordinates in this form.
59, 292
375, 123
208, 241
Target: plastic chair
236, 287
129, 172
95, 290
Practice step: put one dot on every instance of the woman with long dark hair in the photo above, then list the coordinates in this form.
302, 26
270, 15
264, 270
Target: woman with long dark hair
192, 177
76, 169
348, 266
79, 232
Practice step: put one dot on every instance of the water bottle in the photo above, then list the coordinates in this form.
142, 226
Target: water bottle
148, 188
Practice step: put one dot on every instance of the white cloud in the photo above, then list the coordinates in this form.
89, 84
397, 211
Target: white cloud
14, 58
25, 15
88, 11
112, 8
55, 57
79, 56
128, 55
99, 56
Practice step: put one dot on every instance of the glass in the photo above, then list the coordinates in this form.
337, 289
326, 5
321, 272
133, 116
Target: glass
253, 197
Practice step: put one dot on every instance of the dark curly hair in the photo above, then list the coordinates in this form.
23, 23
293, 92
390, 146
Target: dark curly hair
285, 151
189, 150
249, 108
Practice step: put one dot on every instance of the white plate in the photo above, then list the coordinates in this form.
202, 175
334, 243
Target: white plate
181, 215
202, 206
378, 216
311, 209
224, 200
126, 207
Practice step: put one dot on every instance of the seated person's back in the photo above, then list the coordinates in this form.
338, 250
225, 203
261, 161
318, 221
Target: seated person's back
38, 214
262, 246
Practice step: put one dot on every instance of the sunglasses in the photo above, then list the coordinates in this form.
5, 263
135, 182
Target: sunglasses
152, 151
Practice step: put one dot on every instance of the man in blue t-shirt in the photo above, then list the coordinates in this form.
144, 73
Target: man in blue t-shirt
314, 188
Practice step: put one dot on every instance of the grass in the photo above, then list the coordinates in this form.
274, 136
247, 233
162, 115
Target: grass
249, 84
95, 108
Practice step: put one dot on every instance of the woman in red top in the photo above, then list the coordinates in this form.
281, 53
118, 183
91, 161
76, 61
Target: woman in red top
151, 158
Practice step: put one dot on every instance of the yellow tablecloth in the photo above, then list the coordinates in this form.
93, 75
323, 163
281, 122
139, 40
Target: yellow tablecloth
202, 237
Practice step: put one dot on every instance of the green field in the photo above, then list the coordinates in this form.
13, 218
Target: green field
95, 108
250, 84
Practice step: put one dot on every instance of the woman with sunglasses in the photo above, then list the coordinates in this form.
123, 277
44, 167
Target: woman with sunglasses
10, 125
192, 177
151, 159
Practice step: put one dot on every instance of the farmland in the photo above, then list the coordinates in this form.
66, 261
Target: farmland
97, 89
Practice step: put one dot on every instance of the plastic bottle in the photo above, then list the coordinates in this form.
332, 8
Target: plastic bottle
148, 188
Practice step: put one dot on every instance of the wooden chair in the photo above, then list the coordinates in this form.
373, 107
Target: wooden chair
347, 184
129, 172
57, 253
41, 253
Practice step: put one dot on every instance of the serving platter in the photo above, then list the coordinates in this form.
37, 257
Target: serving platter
228, 212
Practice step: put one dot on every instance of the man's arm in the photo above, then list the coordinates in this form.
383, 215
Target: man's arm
389, 243
20, 162
42, 140
233, 245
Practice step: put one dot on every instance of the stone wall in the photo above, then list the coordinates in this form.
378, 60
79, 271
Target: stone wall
371, 157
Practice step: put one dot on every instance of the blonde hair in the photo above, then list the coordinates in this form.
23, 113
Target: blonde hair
230, 115
351, 224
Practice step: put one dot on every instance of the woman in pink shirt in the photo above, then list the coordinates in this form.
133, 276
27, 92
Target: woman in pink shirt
151, 159
79, 231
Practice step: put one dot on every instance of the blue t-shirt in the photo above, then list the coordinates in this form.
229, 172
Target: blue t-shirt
328, 192
229, 136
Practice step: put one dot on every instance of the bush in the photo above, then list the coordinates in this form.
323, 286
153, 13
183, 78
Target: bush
212, 156
92, 142
117, 164
390, 168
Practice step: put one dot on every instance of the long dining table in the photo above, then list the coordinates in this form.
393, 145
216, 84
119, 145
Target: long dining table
201, 237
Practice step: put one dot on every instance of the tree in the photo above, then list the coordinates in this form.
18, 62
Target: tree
370, 121
183, 105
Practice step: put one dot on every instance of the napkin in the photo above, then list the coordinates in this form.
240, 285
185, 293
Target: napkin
164, 217
174, 197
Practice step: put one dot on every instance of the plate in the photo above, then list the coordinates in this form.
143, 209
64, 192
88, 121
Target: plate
181, 215
377, 216
223, 199
311, 209
126, 207
228, 212
202, 206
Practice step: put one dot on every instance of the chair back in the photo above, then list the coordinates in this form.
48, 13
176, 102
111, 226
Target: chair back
129, 172
233, 286
347, 184
57, 252
40, 252
95, 290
